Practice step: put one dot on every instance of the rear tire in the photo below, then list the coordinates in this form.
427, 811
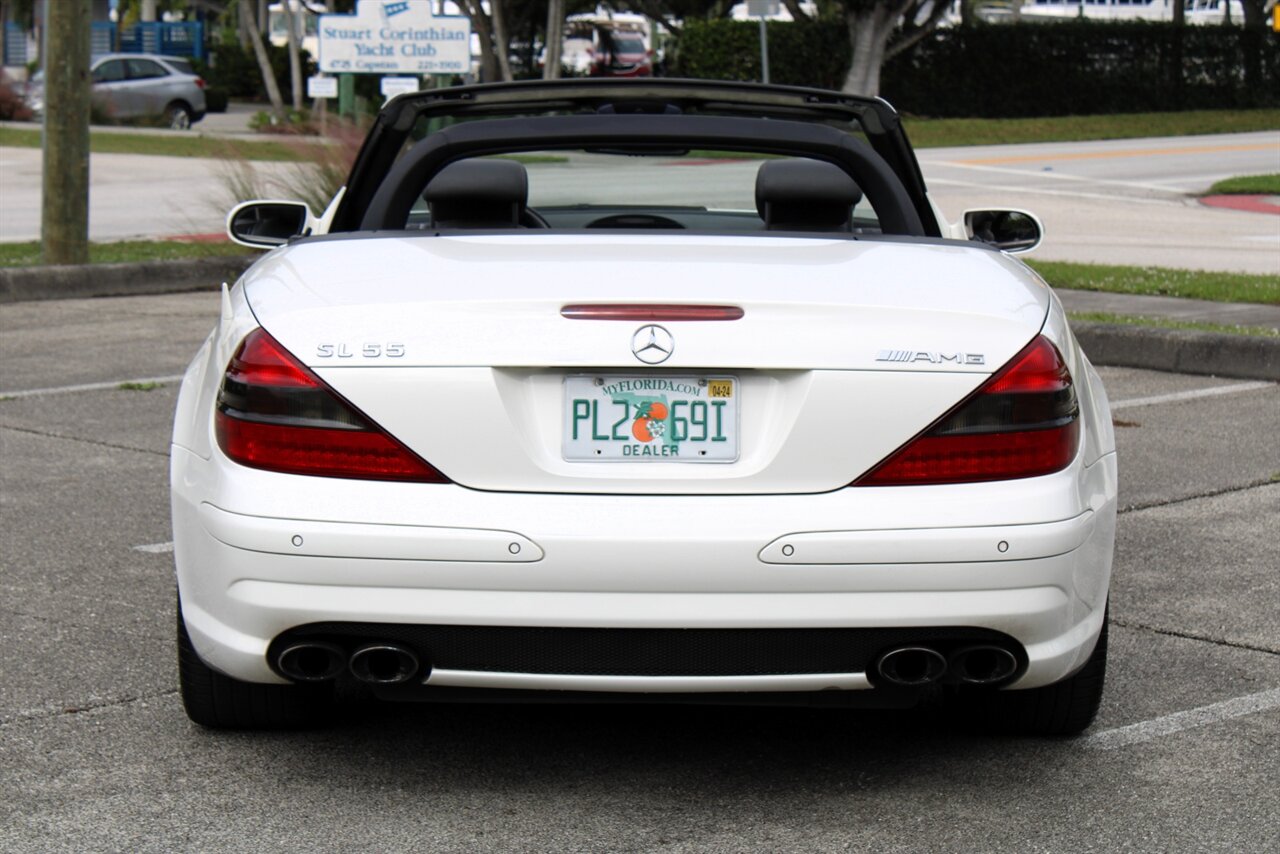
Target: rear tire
215, 700
1061, 709
178, 116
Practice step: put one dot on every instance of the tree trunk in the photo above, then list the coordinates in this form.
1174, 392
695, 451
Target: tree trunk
501, 41
1175, 73
479, 20
295, 57
64, 203
555, 40
869, 31
1251, 38
264, 62
793, 6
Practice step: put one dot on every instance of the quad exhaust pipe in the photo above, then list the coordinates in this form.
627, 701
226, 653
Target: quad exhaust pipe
375, 663
917, 666
383, 664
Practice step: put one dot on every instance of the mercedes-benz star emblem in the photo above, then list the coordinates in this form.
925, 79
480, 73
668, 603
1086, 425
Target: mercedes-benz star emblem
652, 344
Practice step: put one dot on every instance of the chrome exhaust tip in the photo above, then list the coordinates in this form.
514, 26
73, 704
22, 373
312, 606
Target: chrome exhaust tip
983, 665
383, 664
911, 666
313, 661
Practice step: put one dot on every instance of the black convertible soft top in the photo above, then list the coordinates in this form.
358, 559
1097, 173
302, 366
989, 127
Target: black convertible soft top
812, 122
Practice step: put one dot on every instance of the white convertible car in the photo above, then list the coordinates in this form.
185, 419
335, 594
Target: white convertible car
641, 390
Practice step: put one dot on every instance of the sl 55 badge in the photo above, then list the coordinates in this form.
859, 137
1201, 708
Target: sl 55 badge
368, 351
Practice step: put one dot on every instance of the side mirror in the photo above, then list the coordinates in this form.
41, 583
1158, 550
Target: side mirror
268, 223
1010, 230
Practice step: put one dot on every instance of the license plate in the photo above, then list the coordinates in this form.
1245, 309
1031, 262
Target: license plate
639, 419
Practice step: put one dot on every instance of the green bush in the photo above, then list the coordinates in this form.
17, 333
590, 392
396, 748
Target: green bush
1083, 68
235, 70
804, 53
215, 99
1074, 67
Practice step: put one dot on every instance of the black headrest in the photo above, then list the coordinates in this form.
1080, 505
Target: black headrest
478, 194
805, 195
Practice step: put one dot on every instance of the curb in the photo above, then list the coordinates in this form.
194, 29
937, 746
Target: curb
1181, 351
23, 284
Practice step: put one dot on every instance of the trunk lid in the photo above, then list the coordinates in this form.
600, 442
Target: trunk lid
456, 345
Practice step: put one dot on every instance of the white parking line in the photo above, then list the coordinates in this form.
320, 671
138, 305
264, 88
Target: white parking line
1042, 191
71, 389
1176, 396
1055, 176
1124, 736
155, 548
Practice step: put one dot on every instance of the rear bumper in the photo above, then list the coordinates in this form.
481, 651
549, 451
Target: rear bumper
855, 558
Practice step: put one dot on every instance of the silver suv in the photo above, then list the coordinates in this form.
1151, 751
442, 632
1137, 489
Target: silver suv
137, 85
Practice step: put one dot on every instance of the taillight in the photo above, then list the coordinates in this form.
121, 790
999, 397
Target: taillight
200, 83
275, 414
1022, 422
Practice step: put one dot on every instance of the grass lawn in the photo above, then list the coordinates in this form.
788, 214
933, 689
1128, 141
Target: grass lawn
28, 254
177, 145
933, 133
1161, 281
1268, 185
1167, 323
924, 133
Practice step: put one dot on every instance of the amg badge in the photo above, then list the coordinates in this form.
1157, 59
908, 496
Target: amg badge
932, 357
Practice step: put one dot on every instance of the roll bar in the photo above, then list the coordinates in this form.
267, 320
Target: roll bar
395, 197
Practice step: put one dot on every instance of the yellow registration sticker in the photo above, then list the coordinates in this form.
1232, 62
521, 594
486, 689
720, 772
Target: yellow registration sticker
720, 388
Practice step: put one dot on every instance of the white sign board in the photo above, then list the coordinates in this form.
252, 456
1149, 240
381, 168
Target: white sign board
322, 87
762, 8
395, 37
392, 86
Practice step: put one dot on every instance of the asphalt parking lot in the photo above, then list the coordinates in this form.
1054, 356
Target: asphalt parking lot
96, 753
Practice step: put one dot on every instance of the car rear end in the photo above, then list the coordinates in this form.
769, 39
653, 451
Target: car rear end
832, 479
183, 85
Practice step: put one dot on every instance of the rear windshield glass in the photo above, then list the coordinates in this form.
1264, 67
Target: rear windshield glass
182, 66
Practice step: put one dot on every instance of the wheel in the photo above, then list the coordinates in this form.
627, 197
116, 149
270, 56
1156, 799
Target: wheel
1063, 708
214, 700
178, 116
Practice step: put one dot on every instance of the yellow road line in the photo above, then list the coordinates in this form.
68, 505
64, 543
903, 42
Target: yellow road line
1102, 155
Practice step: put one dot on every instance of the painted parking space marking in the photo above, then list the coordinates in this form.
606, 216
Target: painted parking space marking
1133, 152
1045, 191
155, 548
72, 389
1053, 176
1176, 396
1124, 736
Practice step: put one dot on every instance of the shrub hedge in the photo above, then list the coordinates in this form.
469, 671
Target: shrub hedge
1006, 70
235, 70
804, 53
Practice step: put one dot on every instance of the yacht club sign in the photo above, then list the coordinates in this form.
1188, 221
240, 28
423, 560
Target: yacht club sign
395, 37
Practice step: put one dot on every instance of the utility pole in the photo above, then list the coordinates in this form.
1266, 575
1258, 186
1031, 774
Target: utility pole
64, 223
